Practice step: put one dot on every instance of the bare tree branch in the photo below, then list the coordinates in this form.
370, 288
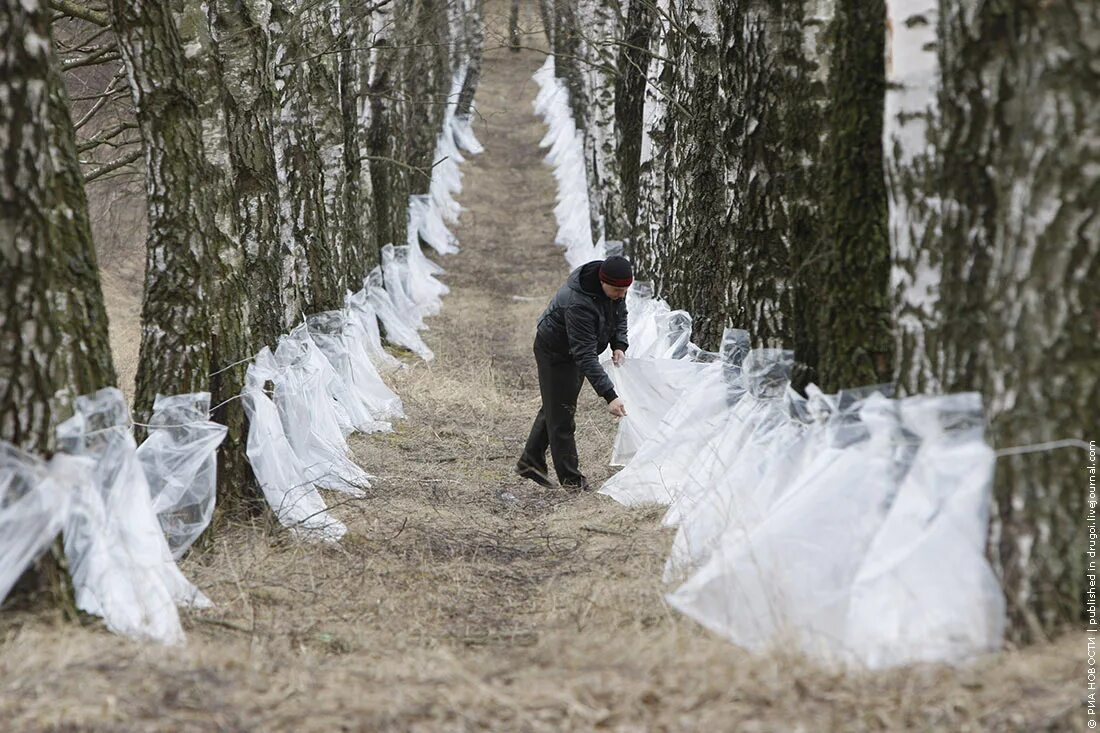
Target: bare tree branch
114, 165
105, 136
75, 10
120, 74
107, 52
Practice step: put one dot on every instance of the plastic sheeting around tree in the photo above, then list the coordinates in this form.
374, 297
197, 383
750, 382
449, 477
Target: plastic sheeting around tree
354, 383
656, 331
566, 157
179, 459
282, 477
395, 272
650, 387
925, 591
35, 501
121, 566
781, 583
464, 135
396, 325
311, 421
360, 308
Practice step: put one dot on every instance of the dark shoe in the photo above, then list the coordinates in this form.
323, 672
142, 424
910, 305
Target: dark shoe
539, 477
575, 486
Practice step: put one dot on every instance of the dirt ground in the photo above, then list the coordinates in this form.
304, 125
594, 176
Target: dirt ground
463, 599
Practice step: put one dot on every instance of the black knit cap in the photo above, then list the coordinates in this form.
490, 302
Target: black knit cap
616, 272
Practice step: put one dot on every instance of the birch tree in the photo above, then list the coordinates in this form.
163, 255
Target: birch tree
473, 37
424, 39
241, 36
360, 246
53, 326
993, 140
389, 178
194, 315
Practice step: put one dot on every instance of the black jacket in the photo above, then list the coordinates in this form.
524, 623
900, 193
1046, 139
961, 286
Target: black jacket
581, 321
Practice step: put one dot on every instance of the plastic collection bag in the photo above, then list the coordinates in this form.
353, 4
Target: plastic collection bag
35, 501
650, 387
395, 323
566, 157
360, 308
925, 591
311, 421
850, 527
121, 566
179, 459
353, 381
281, 475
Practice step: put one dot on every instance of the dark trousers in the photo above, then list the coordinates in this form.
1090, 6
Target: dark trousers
560, 383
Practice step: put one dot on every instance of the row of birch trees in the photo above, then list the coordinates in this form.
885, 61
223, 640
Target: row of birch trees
899, 191
278, 142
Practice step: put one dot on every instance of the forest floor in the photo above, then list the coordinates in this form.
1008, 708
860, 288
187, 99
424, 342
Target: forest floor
463, 598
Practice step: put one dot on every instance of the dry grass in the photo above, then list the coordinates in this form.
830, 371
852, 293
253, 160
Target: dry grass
463, 599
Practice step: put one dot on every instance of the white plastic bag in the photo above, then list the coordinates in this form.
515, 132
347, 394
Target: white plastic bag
328, 332
282, 478
730, 494
310, 419
179, 459
35, 500
649, 388
398, 328
119, 559
925, 591
789, 579
662, 463
363, 311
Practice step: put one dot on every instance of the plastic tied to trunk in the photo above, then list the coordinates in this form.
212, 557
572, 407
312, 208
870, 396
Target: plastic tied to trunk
360, 308
754, 398
121, 566
35, 501
724, 487
566, 158
311, 420
656, 472
395, 272
650, 388
655, 330
353, 382
398, 329
925, 591
420, 283
283, 478
179, 459
782, 582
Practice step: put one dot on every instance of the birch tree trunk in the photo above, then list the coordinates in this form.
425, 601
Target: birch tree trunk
321, 26
425, 36
473, 27
600, 28
846, 299
389, 177
630, 98
53, 326
242, 40
360, 247
997, 247
194, 314
311, 265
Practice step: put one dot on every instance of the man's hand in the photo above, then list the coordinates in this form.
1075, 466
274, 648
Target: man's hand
618, 357
616, 406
